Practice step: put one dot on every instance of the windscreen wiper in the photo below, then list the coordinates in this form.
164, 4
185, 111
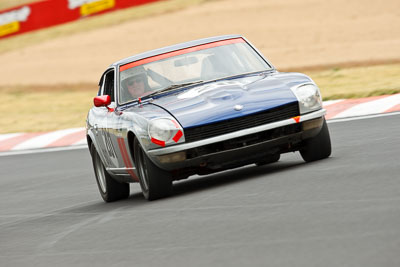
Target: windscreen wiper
170, 88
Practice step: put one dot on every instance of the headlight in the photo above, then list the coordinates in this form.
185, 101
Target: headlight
164, 131
308, 96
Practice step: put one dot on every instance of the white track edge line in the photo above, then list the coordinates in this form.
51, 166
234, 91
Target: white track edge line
42, 150
363, 117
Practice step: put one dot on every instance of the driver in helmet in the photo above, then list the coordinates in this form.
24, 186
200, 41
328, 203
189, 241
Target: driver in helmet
134, 83
135, 86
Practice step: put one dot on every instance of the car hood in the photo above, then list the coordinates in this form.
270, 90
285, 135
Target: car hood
216, 101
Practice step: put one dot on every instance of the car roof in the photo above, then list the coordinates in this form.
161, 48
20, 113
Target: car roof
175, 47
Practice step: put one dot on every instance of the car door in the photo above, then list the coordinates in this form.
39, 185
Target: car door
115, 140
104, 147
108, 150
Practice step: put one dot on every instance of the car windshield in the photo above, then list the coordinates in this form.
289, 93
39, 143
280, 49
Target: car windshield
186, 66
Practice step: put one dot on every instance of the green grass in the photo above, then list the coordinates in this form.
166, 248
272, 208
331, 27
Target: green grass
48, 108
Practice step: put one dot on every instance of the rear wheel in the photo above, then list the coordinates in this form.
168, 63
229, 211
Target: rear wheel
318, 147
155, 182
110, 189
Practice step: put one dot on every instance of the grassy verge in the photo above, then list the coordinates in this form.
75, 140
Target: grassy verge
356, 82
48, 108
40, 109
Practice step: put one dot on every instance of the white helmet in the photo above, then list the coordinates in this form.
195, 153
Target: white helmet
132, 72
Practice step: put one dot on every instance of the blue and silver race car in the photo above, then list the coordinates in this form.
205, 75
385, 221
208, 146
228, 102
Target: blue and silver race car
196, 108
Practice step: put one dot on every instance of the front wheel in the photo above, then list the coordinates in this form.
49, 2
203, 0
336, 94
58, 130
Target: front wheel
318, 147
110, 189
155, 182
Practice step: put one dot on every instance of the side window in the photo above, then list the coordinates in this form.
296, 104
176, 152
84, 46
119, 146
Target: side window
109, 85
100, 85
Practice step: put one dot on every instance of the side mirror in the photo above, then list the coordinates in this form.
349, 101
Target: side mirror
102, 101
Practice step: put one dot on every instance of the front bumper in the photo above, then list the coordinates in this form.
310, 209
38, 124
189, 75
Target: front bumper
240, 147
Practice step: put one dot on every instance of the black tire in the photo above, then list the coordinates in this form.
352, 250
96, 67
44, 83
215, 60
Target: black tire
110, 189
155, 182
269, 159
318, 147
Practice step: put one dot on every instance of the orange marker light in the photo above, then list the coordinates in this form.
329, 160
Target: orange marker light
296, 119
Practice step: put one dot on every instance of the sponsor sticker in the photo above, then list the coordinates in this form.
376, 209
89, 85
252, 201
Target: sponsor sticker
10, 21
96, 7
9, 28
89, 7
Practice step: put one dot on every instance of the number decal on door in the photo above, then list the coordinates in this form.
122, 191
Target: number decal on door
109, 145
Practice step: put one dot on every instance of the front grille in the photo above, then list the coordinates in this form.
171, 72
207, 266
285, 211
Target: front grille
232, 125
249, 140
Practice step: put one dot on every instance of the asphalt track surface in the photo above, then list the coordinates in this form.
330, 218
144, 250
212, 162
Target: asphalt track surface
342, 211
